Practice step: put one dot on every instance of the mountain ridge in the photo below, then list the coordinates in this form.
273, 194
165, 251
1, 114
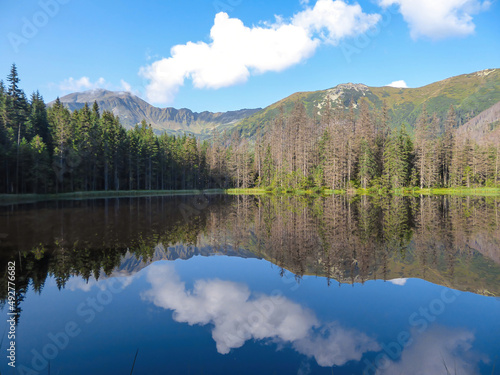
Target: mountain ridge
470, 94
132, 110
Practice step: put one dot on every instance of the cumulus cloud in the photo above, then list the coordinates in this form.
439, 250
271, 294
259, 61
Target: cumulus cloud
332, 21
438, 19
433, 350
237, 51
125, 86
84, 83
237, 315
399, 84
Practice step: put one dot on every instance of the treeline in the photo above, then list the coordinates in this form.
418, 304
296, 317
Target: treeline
340, 149
45, 150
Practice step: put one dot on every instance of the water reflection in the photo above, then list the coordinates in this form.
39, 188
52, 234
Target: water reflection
238, 315
440, 350
451, 241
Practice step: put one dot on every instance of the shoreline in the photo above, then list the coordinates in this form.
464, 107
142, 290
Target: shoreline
6, 199
483, 191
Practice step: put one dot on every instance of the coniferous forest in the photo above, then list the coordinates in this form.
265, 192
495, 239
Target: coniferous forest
52, 150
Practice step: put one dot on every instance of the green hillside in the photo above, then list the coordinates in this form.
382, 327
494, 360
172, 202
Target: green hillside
469, 93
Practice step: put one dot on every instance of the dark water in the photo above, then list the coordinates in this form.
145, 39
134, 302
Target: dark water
244, 285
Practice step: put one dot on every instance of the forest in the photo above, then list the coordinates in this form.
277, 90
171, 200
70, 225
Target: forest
52, 150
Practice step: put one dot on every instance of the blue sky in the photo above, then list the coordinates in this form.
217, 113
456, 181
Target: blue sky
251, 55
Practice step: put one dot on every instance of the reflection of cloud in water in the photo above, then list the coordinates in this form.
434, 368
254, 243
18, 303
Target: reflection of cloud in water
238, 316
78, 283
434, 348
400, 282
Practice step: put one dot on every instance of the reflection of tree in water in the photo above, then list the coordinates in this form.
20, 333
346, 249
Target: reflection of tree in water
349, 239
361, 238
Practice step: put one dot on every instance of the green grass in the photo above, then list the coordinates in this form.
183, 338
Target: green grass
282, 191
483, 191
404, 191
251, 191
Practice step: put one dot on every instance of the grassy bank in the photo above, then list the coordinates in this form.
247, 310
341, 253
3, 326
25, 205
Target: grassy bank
262, 191
405, 192
27, 198
457, 191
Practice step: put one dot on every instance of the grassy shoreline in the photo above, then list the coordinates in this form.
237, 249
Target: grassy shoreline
28, 198
405, 192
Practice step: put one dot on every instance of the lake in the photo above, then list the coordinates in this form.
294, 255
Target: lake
221, 284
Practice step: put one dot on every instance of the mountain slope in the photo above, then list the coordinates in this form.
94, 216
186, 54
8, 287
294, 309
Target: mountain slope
469, 93
132, 110
483, 128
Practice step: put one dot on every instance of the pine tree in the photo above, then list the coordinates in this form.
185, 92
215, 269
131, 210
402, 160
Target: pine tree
16, 113
59, 119
398, 159
38, 123
39, 170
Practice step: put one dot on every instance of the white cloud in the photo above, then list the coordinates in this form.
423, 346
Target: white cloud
399, 84
237, 51
84, 83
438, 19
433, 350
237, 316
333, 21
399, 282
71, 84
125, 86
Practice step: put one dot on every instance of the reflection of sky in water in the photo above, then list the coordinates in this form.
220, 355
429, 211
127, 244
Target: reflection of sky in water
436, 350
231, 315
237, 316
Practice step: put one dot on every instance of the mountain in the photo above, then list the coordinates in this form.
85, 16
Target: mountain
484, 127
469, 93
132, 110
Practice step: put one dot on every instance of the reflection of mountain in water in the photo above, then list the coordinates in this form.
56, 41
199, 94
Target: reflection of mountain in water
131, 264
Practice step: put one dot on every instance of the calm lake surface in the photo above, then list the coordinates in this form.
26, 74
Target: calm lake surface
254, 285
